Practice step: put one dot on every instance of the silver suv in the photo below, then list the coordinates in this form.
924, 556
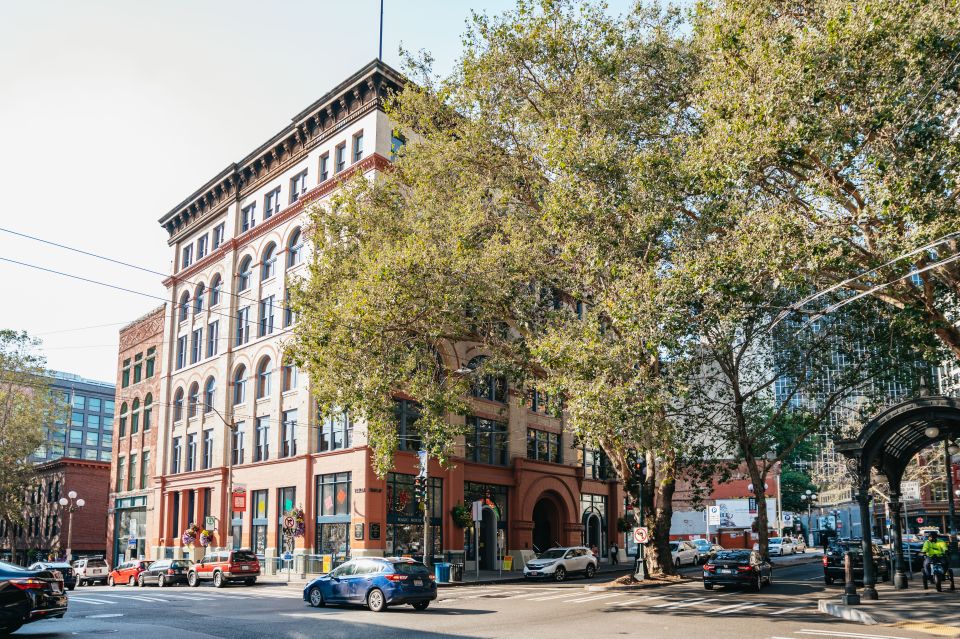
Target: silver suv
90, 570
557, 563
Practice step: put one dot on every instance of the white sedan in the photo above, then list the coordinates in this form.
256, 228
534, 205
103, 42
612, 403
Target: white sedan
779, 546
683, 553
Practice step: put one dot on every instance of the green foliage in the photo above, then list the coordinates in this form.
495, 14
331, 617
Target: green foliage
794, 483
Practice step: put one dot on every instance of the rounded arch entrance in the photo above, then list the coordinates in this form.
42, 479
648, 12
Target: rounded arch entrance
886, 444
549, 505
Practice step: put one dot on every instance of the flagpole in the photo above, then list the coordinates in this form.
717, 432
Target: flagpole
380, 54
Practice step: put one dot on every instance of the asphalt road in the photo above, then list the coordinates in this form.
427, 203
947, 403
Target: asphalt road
785, 610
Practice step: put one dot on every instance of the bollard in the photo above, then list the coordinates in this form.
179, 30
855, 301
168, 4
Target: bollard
849, 596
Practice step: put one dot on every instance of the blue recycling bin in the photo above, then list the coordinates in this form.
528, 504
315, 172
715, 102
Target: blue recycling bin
441, 571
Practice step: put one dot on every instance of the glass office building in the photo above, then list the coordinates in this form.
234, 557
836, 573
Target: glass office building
83, 428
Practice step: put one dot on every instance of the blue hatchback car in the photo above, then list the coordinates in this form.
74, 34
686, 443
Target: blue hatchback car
376, 582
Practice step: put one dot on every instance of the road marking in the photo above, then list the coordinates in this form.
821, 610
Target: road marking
496, 593
639, 600
560, 596
838, 633
90, 601
785, 611
594, 598
104, 616
692, 602
740, 608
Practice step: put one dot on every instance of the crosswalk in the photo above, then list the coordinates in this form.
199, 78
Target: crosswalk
103, 597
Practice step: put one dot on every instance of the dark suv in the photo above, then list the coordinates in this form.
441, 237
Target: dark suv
833, 559
224, 567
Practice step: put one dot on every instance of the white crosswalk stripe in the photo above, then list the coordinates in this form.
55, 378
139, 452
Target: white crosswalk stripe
784, 611
639, 600
594, 598
693, 602
560, 596
742, 607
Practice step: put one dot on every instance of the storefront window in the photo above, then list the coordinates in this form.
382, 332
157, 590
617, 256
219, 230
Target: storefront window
258, 524
286, 500
405, 520
130, 528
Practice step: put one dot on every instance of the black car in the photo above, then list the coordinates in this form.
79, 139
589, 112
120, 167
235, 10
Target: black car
912, 556
833, 561
165, 572
29, 595
737, 568
69, 576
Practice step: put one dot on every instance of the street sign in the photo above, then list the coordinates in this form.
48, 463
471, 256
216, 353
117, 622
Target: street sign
713, 516
287, 556
289, 522
919, 520
640, 535
132, 542
210, 522
787, 519
910, 490
476, 510
240, 501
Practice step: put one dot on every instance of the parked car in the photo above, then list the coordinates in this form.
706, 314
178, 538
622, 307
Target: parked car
912, 556
800, 543
65, 569
707, 549
684, 552
833, 561
165, 572
128, 572
29, 595
779, 546
376, 583
90, 570
224, 567
737, 568
557, 563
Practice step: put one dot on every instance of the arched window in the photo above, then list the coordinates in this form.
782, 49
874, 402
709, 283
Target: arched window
184, 306
240, 385
243, 278
194, 399
487, 386
209, 392
294, 248
269, 266
198, 298
147, 409
135, 417
123, 419
263, 378
216, 285
178, 405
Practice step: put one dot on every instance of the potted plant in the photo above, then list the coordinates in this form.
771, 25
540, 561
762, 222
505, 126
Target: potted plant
462, 516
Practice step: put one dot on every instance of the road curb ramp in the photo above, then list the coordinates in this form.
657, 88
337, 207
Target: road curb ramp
849, 613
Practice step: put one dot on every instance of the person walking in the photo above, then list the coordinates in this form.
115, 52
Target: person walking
614, 554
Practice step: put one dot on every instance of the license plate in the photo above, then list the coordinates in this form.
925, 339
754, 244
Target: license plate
244, 567
418, 582
534, 572
55, 587
726, 572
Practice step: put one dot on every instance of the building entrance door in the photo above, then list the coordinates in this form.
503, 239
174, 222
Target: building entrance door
488, 540
593, 532
546, 525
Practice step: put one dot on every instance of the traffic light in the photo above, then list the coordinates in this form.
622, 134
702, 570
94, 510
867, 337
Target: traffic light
420, 489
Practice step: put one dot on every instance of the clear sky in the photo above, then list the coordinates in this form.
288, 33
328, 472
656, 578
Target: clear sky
113, 111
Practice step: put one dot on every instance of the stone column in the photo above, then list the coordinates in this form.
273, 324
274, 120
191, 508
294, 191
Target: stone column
896, 510
869, 568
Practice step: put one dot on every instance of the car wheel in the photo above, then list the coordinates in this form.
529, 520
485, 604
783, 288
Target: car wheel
560, 573
828, 580
193, 580
250, 581
79, 582
707, 586
160, 582
140, 581
316, 598
71, 587
110, 581
218, 580
376, 602
132, 581
590, 571
677, 562
421, 605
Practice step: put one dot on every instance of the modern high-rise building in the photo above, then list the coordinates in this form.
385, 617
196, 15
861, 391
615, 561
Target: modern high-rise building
83, 428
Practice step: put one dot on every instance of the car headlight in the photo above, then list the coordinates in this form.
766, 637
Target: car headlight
548, 563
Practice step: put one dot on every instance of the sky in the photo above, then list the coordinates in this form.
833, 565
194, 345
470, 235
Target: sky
113, 111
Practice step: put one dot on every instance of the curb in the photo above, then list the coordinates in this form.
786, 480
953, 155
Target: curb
845, 612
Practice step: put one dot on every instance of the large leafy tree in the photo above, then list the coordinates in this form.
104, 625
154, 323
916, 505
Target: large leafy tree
25, 406
530, 216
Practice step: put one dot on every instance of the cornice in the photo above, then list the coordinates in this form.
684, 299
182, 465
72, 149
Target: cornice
373, 162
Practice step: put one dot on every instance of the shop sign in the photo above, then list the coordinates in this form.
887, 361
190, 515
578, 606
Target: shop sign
240, 501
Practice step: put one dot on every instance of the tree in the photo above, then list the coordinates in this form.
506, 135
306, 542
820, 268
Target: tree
838, 121
530, 216
25, 406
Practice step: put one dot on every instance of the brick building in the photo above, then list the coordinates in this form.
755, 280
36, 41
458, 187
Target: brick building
139, 370
46, 526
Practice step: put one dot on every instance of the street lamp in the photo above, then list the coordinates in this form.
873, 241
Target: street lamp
71, 505
931, 431
809, 497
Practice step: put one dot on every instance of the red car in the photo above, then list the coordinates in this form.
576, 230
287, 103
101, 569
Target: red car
226, 566
127, 572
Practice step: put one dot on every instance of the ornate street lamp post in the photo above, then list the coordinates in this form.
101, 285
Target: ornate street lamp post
71, 505
809, 497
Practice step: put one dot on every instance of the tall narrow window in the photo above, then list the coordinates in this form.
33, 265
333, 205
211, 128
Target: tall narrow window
243, 325
186, 258
219, 234
294, 249
125, 375
135, 417
184, 306
289, 434
178, 405
176, 458
202, 245
240, 385
262, 452
198, 298
324, 167
209, 394
216, 287
196, 346
213, 337
298, 186
132, 475
248, 217
341, 156
289, 313
121, 472
268, 268
243, 274
193, 403
238, 443
266, 315
181, 351
151, 361
145, 470
289, 381
137, 368
396, 145
147, 412
207, 449
263, 378
358, 146
271, 203
191, 452
123, 419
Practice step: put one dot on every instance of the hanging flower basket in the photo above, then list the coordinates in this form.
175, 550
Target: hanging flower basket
189, 536
205, 538
625, 524
462, 516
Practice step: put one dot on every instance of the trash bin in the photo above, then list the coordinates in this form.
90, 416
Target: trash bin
456, 572
442, 572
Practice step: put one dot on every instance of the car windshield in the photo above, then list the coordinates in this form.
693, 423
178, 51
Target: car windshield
776, 540
411, 568
674, 545
96, 563
702, 543
244, 555
734, 555
553, 553
185, 563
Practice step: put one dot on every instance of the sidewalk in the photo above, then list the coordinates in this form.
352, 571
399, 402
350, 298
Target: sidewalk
936, 613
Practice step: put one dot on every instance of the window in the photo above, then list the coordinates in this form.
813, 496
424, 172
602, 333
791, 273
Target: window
358, 146
147, 412
193, 401
596, 465
266, 316
298, 186
216, 287
396, 145
125, 375
121, 470
262, 451
238, 444
213, 336
243, 325
132, 475
486, 386
181, 351
333, 494
288, 436
263, 378
202, 245
137, 367
289, 313
93, 421
486, 441
219, 234
294, 248
184, 306
207, 449
135, 417
186, 256
268, 268
145, 470
151, 361
341, 156
76, 419
243, 275
198, 299
248, 217
258, 522
324, 167
79, 401
289, 377
196, 346
240, 385
123, 419
191, 452
271, 203
543, 446
108, 403
407, 414
209, 394
178, 405
336, 431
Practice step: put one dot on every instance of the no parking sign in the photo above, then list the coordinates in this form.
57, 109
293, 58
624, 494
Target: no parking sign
640, 535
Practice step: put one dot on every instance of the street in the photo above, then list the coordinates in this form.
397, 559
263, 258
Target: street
786, 610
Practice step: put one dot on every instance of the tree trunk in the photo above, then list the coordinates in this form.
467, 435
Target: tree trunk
658, 512
760, 493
